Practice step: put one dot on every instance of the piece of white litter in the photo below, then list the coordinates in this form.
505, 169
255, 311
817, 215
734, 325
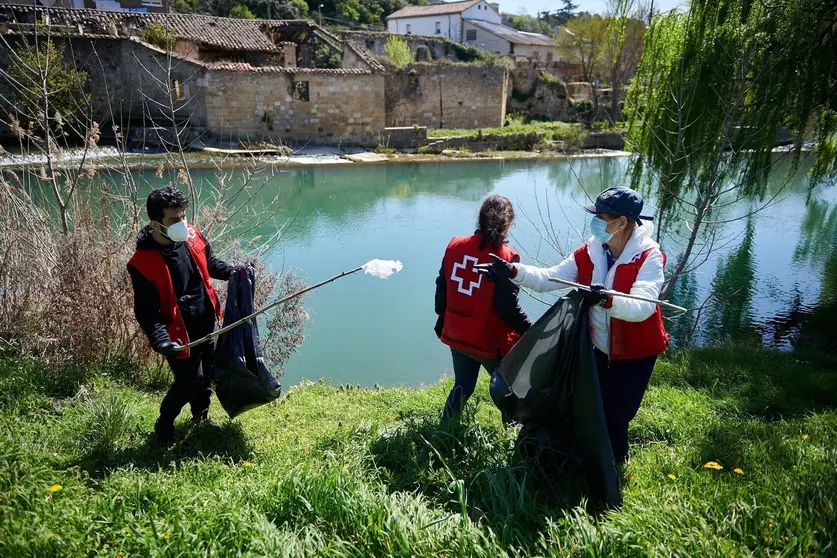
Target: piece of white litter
382, 269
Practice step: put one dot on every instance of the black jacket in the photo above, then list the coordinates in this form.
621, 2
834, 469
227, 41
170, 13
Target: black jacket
506, 304
194, 303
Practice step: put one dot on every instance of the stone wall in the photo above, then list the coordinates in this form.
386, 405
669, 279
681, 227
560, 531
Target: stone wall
538, 95
375, 43
319, 107
446, 96
229, 100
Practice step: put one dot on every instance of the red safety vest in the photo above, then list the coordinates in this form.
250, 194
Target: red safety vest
472, 325
628, 340
152, 266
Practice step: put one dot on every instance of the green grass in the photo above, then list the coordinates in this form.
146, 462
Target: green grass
556, 129
335, 472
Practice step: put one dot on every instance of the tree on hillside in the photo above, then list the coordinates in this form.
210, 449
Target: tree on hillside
582, 42
714, 86
241, 12
569, 8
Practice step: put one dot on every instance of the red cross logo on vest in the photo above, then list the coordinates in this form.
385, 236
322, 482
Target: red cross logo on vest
461, 280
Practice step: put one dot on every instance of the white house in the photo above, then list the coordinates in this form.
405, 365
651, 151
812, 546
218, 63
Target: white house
505, 40
471, 22
442, 20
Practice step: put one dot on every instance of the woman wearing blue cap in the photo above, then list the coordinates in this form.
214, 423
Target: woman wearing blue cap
627, 334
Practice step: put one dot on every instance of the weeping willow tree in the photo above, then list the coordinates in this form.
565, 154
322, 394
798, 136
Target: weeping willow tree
714, 86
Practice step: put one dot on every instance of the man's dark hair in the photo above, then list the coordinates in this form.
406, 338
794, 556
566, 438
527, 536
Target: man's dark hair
164, 198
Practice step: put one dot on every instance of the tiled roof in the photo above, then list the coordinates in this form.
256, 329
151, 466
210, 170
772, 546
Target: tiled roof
220, 32
434, 9
513, 35
245, 67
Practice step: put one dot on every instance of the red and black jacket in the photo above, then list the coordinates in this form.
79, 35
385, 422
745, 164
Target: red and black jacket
477, 316
174, 299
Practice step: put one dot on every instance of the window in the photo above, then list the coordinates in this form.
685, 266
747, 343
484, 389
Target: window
549, 57
471, 35
438, 27
177, 91
409, 29
536, 55
301, 91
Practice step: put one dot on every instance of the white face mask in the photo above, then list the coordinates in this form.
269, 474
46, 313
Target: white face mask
179, 232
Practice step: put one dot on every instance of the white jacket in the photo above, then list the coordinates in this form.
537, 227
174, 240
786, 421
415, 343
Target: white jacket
648, 283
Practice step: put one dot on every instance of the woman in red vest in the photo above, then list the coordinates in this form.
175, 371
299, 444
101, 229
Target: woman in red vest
479, 320
627, 334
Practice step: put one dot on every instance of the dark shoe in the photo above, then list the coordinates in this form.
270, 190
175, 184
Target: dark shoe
163, 434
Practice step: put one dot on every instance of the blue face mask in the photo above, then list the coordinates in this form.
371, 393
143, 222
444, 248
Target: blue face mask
599, 228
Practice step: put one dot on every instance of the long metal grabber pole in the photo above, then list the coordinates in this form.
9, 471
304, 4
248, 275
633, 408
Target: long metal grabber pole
623, 295
234, 325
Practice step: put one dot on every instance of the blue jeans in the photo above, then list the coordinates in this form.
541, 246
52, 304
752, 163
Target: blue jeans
466, 370
623, 384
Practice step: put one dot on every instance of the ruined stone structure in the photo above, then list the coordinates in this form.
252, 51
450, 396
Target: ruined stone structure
229, 78
446, 96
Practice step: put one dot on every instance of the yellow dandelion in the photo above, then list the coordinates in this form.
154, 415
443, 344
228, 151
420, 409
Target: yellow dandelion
672, 477
165, 535
738, 471
346, 470
56, 488
804, 436
247, 464
713, 465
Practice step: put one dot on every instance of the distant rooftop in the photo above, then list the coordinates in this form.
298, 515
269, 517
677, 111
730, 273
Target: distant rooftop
434, 9
513, 35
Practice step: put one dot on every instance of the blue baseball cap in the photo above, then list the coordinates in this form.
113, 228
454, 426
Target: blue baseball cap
619, 201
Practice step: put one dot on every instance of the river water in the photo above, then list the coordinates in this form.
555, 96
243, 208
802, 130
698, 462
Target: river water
768, 271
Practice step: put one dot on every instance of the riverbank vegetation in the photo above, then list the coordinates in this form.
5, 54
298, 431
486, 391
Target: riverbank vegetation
734, 455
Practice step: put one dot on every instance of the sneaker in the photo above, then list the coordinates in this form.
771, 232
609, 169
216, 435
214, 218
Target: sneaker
163, 435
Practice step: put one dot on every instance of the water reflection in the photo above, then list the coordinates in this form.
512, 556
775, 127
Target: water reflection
773, 276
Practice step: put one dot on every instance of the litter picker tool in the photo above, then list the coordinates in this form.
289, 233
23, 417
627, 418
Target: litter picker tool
662, 303
382, 269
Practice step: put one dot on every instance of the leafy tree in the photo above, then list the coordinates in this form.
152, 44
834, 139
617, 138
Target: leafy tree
43, 77
714, 86
398, 51
241, 12
531, 24
569, 8
582, 42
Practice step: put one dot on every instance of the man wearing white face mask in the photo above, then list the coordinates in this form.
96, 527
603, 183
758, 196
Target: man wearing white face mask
175, 302
627, 334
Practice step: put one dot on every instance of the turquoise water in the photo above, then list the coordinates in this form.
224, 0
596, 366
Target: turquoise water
771, 273
364, 330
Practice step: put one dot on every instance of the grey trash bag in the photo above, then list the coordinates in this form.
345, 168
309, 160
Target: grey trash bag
549, 383
242, 380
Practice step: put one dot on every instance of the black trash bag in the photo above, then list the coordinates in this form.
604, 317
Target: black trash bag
242, 380
549, 383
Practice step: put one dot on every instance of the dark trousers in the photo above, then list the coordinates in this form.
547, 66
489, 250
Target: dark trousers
466, 371
623, 384
191, 385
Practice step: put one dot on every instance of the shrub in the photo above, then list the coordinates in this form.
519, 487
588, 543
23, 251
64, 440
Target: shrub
159, 35
398, 52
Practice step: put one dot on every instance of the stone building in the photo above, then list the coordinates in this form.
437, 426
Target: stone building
226, 78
